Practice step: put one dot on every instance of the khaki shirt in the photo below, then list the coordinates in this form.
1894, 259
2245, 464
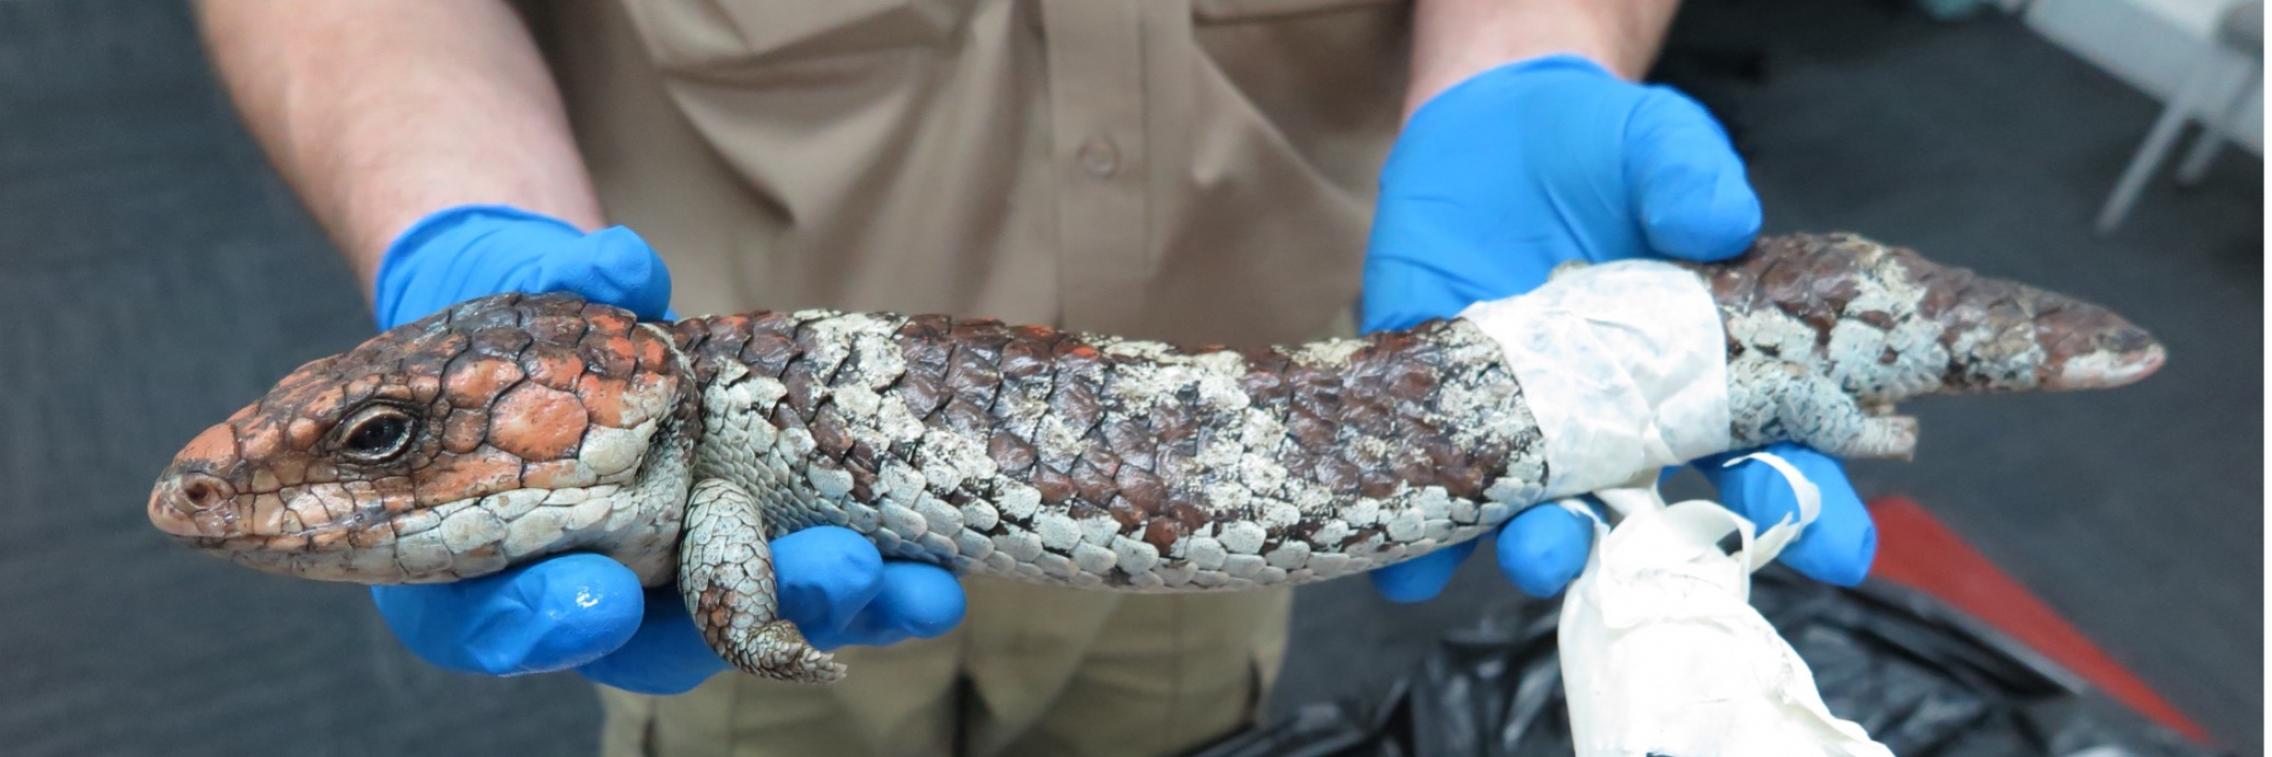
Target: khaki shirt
1200, 171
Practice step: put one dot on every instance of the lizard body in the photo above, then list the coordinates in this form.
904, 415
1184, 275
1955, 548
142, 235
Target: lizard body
513, 427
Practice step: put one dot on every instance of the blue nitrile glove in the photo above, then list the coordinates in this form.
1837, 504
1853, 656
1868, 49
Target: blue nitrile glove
1500, 178
588, 612
478, 250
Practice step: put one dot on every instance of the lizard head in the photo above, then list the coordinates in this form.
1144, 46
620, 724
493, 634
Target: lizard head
449, 447
1888, 324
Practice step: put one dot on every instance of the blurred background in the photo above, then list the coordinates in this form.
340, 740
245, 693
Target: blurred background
154, 274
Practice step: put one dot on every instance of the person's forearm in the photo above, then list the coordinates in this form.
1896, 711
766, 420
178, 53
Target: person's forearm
379, 112
1456, 39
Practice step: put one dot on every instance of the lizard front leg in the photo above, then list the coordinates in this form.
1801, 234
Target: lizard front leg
1774, 400
725, 572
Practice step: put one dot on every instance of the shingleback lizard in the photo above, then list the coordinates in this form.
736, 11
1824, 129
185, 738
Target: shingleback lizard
514, 427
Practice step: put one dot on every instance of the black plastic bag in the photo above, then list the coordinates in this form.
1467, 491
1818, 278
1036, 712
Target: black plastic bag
1921, 677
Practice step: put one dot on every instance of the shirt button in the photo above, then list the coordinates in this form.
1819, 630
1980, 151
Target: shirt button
1099, 157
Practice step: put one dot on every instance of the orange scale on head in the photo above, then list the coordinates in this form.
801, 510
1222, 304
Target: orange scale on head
606, 320
654, 355
363, 386
302, 433
424, 387
392, 485
553, 366
464, 430
483, 472
394, 391
473, 382
395, 502
537, 423
602, 398
326, 403
261, 440
216, 445
610, 354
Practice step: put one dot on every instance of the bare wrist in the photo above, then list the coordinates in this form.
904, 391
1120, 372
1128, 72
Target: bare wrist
1454, 40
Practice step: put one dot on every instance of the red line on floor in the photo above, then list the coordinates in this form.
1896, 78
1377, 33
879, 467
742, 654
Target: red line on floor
1916, 550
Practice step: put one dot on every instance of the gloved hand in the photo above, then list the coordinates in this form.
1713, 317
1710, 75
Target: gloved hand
1509, 173
588, 612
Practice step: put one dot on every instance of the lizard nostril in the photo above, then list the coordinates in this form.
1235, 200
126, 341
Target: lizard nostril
200, 492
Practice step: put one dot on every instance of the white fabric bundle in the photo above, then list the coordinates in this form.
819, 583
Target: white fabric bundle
1662, 652
1624, 365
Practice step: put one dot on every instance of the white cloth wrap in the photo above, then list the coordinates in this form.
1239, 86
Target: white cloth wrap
1661, 650
1624, 365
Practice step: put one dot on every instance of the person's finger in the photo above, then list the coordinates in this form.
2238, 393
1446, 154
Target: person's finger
1421, 578
612, 265
666, 656
924, 600
826, 576
1544, 548
917, 601
1694, 199
1838, 547
546, 616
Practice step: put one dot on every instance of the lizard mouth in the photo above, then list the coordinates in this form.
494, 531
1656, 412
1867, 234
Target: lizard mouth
2106, 370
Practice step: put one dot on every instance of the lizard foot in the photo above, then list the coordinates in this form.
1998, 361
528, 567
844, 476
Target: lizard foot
1885, 437
726, 576
1775, 401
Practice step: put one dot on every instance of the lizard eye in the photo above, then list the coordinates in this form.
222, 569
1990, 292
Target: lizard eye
377, 434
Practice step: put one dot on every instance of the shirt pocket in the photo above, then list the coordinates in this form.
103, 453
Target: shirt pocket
721, 38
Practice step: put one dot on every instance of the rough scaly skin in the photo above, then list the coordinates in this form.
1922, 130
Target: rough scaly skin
1091, 461
514, 427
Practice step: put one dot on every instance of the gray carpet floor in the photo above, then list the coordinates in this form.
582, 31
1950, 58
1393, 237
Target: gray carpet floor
156, 274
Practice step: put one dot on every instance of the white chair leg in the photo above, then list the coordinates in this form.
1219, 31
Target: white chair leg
2212, 138
2196, 164
2158, 142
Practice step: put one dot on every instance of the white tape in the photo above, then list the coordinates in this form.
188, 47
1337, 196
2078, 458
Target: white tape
1624, 365
1772, 541
1662, 652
